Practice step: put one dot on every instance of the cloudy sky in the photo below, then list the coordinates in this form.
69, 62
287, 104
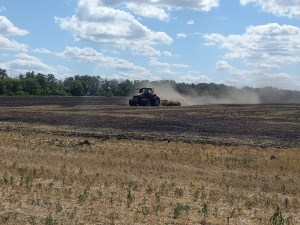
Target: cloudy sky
236, 42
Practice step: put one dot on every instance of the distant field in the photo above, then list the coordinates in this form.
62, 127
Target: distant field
98, 161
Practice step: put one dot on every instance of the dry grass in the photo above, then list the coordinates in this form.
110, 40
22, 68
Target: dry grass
48, 179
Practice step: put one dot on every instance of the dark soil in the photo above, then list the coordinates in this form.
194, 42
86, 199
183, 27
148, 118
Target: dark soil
13, 101
260, 125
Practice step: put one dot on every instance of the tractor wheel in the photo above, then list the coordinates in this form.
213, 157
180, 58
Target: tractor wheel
156, 101
144, 102
133, 102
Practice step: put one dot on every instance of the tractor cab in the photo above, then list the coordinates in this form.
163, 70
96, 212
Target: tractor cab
146, 90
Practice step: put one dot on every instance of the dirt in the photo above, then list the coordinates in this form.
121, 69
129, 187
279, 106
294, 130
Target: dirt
12, 101
259, 125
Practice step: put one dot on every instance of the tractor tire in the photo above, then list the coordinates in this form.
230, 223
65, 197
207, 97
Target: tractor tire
144, 102
133, 102
155, 101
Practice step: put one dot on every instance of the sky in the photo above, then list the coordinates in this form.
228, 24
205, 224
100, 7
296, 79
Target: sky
239, 43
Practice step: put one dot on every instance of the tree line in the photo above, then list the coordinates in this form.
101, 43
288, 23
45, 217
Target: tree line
41, 84
85, 85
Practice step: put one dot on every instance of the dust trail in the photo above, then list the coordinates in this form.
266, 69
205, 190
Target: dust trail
217, 94
168, 92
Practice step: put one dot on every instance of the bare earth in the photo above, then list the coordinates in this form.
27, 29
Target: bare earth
257, 125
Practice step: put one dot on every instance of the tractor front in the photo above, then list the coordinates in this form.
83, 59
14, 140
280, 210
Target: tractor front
145, 97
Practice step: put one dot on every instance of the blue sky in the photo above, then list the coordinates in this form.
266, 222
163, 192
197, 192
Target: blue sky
235, 42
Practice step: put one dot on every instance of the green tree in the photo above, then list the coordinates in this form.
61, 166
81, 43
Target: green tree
76, 88
2, 87
29, 75
51, 78
31, 86
41, 79
3, 74
90, 84
21, 77
13, 86
125, 87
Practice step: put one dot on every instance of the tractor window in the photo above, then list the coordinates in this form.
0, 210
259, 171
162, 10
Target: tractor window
146, 91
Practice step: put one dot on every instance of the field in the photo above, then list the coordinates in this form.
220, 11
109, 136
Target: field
88, 160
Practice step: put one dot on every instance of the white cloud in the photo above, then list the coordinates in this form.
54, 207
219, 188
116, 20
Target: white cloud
13, 45
224, 66
214, 38
288, 8
258, 78
181, 35
167, 71
263, 49
193, 79
166, 53
27, 57
265, 46
154, 62
145, 50
8, 29
180, 65
90, 55
42, 50
131, 76
24, 63
63, 68
191, 22
203, 5
148, 11
116, 52
99, 24
157, 8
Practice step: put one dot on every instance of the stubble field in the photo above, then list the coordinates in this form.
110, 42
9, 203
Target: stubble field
99, 161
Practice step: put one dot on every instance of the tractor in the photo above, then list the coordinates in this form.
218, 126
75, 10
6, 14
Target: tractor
145, 97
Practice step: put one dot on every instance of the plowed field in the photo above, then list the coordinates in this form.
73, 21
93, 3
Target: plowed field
69, 160
256, 125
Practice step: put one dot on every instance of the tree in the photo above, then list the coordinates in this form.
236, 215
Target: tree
51, 78
3, 74
125, 87
41, 79
13, 86
76, 88
90, 84
30, 75
31, 86
21, 76
2, 87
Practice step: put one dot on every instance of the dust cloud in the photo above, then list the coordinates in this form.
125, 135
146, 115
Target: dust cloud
218, 94
167, 92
